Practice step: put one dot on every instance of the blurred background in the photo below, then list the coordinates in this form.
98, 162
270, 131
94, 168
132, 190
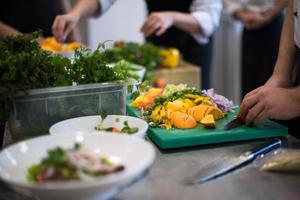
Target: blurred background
123, 21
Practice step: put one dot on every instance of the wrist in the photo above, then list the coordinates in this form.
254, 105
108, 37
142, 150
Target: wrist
76, 15
174, 17
278, 81
295, 96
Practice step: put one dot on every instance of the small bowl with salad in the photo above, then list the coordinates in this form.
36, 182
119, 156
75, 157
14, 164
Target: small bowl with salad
116, 124
79, 166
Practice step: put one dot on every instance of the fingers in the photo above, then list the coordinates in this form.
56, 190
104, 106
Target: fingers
253, 113
252, 92
263, 115
152, 29
247, 103
58, 28
160, 31
151, 25
67, 32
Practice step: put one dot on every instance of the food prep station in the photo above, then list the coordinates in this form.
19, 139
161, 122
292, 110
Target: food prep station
166, 178
181, 154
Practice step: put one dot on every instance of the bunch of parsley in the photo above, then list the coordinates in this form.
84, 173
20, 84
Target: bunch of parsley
24, 66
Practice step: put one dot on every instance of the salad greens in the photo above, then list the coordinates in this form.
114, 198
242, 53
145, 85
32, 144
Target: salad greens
24, 65
125, 129
70, 164
128, 130
143, 54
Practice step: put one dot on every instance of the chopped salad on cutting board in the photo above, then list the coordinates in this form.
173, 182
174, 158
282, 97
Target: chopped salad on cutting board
179, 106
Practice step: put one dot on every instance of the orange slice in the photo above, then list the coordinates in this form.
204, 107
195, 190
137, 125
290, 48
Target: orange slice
216, 112
198, 112
208, 121
182, 120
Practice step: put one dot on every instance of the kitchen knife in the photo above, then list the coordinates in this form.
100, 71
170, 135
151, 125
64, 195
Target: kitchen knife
233, 123
235, 163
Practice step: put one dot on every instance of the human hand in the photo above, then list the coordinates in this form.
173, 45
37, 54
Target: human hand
279, 81
63, 25
256, 20
157, 23
253, 20
270, 102
40, 40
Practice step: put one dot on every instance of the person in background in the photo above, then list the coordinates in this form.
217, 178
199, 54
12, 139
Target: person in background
18, 16
262, 21
64, 24
279, 97
187, 25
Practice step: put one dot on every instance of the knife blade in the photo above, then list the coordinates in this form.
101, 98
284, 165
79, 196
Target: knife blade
233, 123
235, 163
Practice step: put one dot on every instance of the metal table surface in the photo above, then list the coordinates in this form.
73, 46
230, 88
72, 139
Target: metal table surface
165, 179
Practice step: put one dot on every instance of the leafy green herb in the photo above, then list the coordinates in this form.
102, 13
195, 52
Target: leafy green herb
127, 129
143, 54
143, 87
24, 66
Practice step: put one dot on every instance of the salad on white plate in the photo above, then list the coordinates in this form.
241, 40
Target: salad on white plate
117, 124
51, 167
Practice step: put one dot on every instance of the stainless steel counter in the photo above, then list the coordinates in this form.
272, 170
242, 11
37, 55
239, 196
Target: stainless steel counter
165, 179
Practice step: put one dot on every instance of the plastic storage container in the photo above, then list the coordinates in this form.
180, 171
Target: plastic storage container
36, 110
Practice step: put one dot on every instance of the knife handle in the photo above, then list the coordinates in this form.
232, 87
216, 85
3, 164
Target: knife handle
264, 148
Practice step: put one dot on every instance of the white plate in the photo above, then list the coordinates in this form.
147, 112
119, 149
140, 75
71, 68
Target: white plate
87, 124
135, 154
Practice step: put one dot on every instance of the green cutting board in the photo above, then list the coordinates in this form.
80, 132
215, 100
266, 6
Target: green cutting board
175, 138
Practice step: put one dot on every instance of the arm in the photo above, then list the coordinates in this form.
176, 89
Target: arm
201, 22
75, 34
158, 22
282, 74
64, 24
6, 30
277, 8
207, 15
274, 100
255, 20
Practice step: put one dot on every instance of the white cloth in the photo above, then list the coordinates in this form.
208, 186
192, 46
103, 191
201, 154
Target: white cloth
206, 12
297, 22
252, 5
105, 4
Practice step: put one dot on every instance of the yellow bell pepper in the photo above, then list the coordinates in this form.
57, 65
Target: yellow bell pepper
171, 57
